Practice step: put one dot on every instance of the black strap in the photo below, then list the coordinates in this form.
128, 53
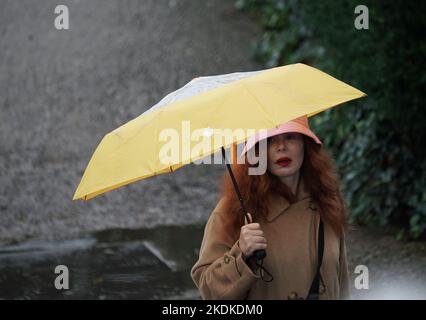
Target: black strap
263, 271
314, 290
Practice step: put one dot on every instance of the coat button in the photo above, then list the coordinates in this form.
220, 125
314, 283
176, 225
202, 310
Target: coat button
312, 206
292, 296
226, 259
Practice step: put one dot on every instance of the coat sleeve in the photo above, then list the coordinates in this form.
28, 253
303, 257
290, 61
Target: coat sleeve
221, 272
344, 279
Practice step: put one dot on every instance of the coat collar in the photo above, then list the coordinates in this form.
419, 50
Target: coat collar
279, 204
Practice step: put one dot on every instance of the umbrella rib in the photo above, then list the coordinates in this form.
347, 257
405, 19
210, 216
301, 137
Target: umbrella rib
258, 102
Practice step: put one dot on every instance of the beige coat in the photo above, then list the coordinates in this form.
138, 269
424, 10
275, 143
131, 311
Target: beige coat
291, 235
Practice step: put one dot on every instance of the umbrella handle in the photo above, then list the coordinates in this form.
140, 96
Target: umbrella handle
237, 190
258, 254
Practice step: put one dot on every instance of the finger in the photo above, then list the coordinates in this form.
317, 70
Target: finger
258, 239
257, 246
250, 217
255, 232
253, 226
250, 220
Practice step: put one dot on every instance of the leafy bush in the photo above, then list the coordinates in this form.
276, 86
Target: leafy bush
378, 140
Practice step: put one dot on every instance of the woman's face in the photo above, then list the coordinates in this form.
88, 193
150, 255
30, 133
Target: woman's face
285, 153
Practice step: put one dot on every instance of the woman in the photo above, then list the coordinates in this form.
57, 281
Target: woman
286, 204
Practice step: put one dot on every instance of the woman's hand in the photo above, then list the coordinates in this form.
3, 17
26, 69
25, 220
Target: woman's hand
251, 237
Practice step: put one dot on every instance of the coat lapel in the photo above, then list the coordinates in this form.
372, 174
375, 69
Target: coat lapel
278, 204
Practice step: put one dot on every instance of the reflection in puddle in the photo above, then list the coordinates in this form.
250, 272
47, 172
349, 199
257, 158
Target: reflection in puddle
112, 264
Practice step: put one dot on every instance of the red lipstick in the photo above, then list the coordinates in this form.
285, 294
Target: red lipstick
283, 161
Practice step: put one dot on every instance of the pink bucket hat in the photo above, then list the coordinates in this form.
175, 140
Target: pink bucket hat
300, 125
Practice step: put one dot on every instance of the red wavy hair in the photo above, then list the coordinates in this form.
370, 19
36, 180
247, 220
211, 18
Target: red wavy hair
321, 180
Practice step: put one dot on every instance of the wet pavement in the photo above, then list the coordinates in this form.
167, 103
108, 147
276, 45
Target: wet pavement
112, 264
155, 263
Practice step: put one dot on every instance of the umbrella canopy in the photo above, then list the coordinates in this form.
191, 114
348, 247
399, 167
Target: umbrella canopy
237, 102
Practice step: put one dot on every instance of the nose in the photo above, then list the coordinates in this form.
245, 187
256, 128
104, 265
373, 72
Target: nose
282, 146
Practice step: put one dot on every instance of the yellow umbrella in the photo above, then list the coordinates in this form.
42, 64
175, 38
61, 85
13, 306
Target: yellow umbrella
230, 103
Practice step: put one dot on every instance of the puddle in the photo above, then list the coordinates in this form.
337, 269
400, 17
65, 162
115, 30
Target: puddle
112, 264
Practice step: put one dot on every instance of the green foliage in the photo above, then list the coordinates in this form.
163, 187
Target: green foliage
378, 141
